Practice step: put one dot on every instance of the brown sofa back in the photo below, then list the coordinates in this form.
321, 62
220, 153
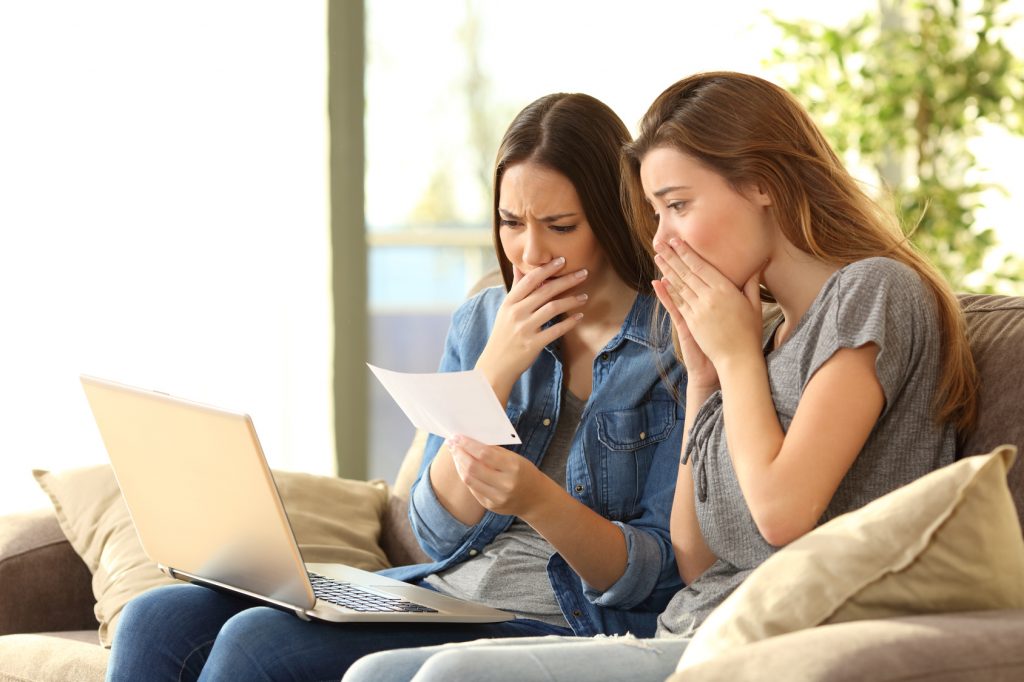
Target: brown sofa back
995, 326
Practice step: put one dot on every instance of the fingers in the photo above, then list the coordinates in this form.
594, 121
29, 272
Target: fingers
676, 271
483, 469
661, 290
548, 289
702, 271
553, 309
559, 329
488, 455
531, 280
752, 290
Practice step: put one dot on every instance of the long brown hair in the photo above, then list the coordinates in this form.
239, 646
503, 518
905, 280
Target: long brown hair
581, 138
754, 133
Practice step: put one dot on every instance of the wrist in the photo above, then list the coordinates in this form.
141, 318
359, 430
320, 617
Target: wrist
544, 503
501, 381
739, 366
698, 391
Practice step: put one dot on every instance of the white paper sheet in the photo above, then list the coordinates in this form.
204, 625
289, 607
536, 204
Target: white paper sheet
450, 403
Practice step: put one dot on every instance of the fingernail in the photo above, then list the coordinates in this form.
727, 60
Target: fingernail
673, 241
580, 274
559, 261
578, 316
457, 439
582, 297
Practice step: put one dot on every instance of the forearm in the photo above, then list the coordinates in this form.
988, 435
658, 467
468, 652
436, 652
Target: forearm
592, 545
753, 433
451, 492
693, 556
500, 379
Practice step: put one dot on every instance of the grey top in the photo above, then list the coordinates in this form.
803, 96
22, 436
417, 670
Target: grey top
877, 300
511, 572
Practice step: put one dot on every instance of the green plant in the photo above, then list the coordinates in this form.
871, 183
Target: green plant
903, 91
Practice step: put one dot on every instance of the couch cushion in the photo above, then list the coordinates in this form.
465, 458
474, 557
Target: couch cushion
981, 646
947, 542
995, 327
35, 556
334, 519
54, 657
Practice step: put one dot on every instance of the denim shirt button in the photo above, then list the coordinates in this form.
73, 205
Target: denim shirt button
546, 422
473, 552
604, 356
643, 435
579, 488
576, 613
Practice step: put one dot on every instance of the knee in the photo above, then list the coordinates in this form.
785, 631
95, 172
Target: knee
484, 663
255, 630
153, 607
384, 666
253, 644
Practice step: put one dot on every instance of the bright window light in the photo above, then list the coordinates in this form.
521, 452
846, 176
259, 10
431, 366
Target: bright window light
163, 221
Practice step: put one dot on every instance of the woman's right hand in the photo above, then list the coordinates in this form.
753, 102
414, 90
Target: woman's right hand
700, 372
519, 334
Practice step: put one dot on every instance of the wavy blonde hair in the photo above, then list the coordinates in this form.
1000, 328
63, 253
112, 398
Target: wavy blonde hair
752, 132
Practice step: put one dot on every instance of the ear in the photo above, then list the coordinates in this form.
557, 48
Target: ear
759, 195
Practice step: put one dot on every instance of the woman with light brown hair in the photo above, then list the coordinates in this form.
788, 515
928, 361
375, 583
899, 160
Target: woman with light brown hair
853, 387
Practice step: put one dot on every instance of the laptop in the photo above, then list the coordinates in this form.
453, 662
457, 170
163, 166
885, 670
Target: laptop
207, 511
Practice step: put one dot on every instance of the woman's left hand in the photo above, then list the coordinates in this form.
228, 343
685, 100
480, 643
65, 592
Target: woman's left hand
725, 321
501, 480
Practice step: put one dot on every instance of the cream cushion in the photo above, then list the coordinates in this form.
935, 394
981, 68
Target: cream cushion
334, 519
948, 542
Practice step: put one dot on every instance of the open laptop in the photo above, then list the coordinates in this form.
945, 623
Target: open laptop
207, 511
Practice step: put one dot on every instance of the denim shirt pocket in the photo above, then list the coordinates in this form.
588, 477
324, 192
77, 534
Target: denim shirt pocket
630, 439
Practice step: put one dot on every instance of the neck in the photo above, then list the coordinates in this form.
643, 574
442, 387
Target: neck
606, 309
795, 278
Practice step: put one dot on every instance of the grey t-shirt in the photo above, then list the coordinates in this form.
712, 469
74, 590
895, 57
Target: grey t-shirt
876, 300
511, 572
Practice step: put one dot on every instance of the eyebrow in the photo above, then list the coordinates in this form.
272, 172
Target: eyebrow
665, 190
545, 219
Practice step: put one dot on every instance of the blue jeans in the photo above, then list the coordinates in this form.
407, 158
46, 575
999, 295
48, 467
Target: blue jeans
187, 632
535, 659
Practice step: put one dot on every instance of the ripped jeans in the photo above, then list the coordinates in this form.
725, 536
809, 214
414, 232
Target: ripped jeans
540, 659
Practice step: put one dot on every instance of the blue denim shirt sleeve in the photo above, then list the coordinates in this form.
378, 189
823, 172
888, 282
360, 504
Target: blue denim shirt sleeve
438, 532
650, 559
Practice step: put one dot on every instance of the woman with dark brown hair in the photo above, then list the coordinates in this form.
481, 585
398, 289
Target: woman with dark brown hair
569, 530
853, 387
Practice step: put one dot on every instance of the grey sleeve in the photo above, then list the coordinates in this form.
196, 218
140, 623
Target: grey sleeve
884, 302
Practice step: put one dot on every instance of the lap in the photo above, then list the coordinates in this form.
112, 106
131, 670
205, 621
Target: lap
220, 636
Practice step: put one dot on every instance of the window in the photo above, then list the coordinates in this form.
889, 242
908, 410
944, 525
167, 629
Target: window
163, 221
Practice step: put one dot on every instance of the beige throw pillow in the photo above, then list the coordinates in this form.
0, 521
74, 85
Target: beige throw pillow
949, 541
334, 519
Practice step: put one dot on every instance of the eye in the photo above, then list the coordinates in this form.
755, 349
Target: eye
657, 219
563, 229
678, 205
504, 222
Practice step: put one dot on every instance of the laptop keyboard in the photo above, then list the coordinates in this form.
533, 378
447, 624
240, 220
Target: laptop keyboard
356, 598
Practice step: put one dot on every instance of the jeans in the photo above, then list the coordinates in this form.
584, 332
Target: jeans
188, 632
536, 659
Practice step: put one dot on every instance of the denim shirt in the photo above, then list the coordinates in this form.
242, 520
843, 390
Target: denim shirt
622, 464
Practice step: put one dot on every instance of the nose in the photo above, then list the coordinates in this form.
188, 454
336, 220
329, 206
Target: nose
535, 249
663, 233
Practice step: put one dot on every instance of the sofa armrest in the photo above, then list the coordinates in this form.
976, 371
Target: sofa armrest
951, 647
396, 537
44, 585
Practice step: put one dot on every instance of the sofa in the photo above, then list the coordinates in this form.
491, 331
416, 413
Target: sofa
48, 626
